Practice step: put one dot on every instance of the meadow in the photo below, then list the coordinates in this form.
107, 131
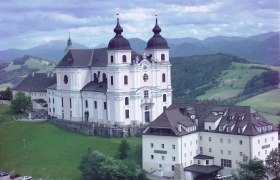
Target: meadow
267, 104
50, 152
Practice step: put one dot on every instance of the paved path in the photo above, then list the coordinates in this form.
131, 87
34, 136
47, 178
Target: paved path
31, 120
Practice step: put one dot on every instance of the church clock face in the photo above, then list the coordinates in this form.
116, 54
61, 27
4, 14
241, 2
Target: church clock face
65, 79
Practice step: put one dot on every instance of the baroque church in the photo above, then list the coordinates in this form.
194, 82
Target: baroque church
113, 85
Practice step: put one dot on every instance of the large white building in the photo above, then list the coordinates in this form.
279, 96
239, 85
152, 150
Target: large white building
113, 85
205, 140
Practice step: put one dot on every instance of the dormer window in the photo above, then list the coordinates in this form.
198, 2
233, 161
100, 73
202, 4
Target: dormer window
239, 130
221, 128
228, 129
257, 117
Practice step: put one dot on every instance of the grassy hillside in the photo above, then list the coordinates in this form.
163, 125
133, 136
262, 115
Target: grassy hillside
14, 72
232, 81
51, 152
267, 104
193, 76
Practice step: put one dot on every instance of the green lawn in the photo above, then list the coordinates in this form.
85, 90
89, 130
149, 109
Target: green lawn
268, 104
51, 152
232, 81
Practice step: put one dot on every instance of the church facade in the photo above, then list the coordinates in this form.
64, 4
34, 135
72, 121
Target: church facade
113, 85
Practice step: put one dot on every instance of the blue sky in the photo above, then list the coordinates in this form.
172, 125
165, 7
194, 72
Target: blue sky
28, 23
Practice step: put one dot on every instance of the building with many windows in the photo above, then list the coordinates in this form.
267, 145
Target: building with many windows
113, 85
205, 140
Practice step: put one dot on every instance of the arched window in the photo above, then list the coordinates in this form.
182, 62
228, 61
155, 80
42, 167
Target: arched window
86, 102
112, 80
162, 57
145, 77
164, 98
125, 80
112, 59
124, 58
163, 77
65, 79
126, 101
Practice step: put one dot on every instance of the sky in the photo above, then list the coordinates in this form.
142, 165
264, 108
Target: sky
28, 23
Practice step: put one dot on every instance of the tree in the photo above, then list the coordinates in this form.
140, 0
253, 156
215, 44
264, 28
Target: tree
95, 165
273, 163
7, 94
251, 169
124, 146
21, 102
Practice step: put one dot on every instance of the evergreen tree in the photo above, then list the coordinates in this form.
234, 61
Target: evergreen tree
124, 146
273, 164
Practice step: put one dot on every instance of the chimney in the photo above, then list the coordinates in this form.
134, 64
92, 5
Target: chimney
179, 126
48, 74
33, 74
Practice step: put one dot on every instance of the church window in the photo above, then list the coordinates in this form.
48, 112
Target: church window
95, 104
70, 103
112, 59
86, 102
105, 105
126, 101
53, 110
126, 113
145, 77
65, 79
146, 94
163, 77
124, 58
112, 80
164, 98
125, 80
162, 57
49, 100
62, 102
53, 100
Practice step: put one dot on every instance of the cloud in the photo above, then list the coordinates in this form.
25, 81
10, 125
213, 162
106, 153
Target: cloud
91, 22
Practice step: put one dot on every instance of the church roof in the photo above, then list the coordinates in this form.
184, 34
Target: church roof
157, 41
95, 87
84, 58
118, 42
36, 82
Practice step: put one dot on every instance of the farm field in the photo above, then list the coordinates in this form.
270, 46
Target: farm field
267, 104
50, 152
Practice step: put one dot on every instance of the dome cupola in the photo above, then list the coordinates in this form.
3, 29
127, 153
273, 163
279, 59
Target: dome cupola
157, 41
118, 42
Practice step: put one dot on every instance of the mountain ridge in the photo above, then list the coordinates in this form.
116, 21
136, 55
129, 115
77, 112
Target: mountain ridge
263, 48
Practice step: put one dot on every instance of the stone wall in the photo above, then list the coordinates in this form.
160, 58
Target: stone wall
98, 129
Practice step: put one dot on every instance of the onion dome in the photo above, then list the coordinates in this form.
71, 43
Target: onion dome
118, 42
157, 41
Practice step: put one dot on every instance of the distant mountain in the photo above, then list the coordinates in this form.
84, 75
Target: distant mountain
53, 51
16, 70
263, 48
138, 45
